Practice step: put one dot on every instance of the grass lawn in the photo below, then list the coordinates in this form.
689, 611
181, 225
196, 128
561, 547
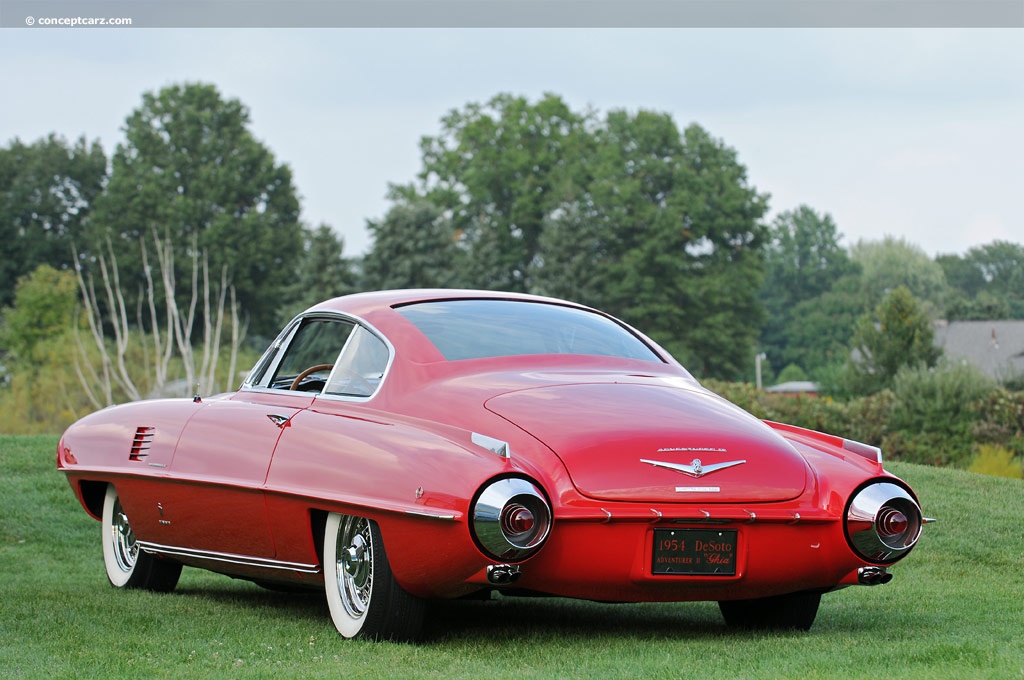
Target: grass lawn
955, 609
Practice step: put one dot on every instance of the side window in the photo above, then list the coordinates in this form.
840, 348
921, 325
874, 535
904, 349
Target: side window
360, 367
311, 355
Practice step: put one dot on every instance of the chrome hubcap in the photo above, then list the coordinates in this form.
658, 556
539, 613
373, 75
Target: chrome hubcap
126, 550
355, 565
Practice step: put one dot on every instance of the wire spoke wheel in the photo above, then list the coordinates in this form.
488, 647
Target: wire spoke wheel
355, 565
364, 599
126, 550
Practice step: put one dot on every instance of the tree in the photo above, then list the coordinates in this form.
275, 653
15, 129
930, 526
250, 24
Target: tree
577, 255
820, 330
497, 171
891, 263
414, 246
191, 170
39, 392
323, 272
626, 213
47, 189
665, 233
684, 237
898, 333
211, 305
1001, 265
803, 260
44, 307
986, 283
962, 275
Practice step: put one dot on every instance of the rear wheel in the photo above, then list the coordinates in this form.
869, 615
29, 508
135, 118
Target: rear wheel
363, 596
127, 565
794, 611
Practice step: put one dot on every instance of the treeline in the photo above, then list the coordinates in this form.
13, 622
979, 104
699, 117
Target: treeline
620, 210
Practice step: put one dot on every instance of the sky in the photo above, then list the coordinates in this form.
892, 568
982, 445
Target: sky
912, 133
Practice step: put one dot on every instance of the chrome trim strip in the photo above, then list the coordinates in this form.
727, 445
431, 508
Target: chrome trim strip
230, 558
866, 451
428, 515
491, 444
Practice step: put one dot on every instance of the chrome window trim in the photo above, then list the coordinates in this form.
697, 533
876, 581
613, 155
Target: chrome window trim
271, 357
280, 347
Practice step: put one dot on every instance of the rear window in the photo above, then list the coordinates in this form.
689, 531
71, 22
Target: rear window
475, 329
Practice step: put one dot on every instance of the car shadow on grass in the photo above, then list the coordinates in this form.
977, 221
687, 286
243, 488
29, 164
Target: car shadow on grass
523, 618
482, 618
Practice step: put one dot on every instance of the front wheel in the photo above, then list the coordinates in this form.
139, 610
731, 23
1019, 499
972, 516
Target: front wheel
127, 565
795, 611
363, 596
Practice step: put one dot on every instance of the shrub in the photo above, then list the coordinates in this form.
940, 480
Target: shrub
933, 413
791, 373
933, 416
999, 419
997, 461
867, 418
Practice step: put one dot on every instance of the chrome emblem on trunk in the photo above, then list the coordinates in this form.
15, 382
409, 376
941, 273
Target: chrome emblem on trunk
694, 469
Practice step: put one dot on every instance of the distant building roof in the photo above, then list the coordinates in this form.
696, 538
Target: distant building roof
995, 347
795, 386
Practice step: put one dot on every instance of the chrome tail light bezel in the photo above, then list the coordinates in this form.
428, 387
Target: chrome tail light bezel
883, 522
510, 518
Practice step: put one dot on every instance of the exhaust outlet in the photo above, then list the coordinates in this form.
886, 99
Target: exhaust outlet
873, 576
503, 574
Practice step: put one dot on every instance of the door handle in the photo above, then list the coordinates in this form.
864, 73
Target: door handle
280, 421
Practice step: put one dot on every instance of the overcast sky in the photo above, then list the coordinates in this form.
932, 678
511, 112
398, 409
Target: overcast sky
915, 133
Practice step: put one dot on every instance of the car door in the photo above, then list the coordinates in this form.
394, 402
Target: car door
222, 459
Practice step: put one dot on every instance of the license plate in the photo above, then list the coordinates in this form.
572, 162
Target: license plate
694, 551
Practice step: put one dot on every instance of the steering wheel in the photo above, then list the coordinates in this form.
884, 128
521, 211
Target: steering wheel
308, 372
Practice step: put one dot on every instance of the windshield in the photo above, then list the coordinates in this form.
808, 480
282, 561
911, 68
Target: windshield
474, 329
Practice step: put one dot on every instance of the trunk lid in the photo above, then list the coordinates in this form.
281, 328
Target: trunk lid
657, 443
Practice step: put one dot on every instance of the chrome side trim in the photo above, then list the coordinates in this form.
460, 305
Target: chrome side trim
866, 451
230, 558
493, 445
416, 513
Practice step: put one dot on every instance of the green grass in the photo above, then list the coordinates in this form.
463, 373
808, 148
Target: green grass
954, 609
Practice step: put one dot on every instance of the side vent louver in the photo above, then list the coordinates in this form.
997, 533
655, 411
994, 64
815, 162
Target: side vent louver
141, 442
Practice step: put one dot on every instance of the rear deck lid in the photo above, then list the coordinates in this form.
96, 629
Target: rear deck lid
657, 443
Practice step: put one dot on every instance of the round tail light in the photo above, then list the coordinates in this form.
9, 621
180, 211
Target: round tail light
883, 522
511, 519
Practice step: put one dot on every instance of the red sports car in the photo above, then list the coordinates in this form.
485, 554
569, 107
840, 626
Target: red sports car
401, 446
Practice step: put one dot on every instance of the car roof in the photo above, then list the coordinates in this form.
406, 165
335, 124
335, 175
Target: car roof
363, 304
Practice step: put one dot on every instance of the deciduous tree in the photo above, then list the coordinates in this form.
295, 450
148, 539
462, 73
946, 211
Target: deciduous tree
898, 333
191, 170
893, 262
414, 246
803, 259
47, 189
497, 171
